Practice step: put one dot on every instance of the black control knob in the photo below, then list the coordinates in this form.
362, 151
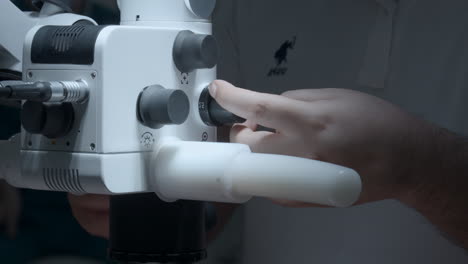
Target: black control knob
158, 106
50, 120
59, 120
194, 51
212, 114
33, 117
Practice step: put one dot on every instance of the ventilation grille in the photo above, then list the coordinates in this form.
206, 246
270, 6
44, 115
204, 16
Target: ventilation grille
64, 180
64, 37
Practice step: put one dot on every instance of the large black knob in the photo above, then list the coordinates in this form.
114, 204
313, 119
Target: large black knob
158, 106
194, 51
50, 120
213, 114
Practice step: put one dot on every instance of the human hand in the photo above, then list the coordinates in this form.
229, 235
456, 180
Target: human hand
92, 212
10, 208
349, 128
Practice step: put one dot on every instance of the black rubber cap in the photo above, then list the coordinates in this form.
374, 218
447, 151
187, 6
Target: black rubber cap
33, 117
194, 51
158, 107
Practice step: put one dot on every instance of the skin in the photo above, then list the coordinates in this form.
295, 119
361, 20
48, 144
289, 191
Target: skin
398, 156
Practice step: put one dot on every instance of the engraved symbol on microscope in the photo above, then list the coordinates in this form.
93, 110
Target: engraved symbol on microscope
147, 139
205, 136
281, 58
184, 78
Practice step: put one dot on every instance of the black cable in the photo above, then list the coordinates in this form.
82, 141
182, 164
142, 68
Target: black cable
9, 75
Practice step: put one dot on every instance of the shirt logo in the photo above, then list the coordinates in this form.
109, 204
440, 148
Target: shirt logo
281, 58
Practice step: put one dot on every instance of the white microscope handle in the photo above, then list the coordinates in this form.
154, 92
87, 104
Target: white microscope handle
232, 173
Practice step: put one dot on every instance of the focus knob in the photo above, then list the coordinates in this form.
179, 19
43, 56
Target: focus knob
158, 106
33, 117
213, 114
194, 51
50, 120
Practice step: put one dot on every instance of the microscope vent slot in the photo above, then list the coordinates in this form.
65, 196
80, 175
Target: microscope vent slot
65, 44
64, 37
66, 180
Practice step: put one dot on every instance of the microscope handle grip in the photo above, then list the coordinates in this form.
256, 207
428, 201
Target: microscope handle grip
224, 172
295, 179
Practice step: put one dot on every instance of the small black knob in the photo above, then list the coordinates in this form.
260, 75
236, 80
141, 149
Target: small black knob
50, 120
33, 117
194, 51
158, 106
213, 114
59, 120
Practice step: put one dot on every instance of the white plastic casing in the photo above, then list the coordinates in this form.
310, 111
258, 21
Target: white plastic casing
108, 149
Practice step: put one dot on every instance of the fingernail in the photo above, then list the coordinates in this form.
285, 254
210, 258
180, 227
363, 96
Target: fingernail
213, 89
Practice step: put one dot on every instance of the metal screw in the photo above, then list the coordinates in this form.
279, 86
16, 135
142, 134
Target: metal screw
30, 74
93, 75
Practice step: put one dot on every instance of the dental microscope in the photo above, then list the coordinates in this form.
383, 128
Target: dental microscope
125, 111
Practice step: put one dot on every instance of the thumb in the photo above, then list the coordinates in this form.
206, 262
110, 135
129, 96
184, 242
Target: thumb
258, 141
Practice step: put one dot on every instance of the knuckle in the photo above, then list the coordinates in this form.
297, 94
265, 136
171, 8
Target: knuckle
259, 110
320, 123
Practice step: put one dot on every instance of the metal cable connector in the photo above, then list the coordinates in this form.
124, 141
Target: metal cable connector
52, 92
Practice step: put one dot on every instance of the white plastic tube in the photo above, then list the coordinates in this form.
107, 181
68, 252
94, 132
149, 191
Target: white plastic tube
232, 173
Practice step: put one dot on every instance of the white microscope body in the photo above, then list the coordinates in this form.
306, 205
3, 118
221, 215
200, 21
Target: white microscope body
124, 116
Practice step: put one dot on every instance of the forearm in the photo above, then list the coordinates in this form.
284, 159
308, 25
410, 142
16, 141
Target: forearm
440, 186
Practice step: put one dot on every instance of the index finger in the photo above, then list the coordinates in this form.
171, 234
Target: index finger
273, 111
